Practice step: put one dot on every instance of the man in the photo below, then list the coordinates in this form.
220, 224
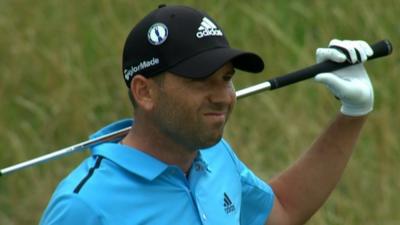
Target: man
173, 167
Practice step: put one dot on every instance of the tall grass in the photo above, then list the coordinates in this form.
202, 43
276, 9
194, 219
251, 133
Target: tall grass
61, 80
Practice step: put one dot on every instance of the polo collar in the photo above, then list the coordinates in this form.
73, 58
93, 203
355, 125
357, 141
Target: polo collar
201, 161
115, 126
131, 159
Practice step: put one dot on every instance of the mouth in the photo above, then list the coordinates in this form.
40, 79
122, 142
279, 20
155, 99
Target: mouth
216, 116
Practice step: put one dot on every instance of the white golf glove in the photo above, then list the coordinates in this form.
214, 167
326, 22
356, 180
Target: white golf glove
351, 84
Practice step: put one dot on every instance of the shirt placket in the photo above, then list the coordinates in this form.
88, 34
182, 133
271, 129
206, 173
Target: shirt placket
198, 170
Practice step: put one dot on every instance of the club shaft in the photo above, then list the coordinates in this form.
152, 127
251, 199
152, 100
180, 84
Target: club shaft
253, 89
382, 48
66, 151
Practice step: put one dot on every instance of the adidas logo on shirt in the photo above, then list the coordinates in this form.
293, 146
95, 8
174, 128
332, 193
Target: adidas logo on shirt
208, 28
228, 205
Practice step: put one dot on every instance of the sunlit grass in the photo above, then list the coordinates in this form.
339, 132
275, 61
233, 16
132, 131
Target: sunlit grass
61, 80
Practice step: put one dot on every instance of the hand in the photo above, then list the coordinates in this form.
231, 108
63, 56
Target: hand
351, 84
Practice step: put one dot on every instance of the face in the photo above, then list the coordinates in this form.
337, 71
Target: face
193, 112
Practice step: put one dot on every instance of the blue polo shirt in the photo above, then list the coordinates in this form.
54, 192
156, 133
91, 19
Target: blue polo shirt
121, 185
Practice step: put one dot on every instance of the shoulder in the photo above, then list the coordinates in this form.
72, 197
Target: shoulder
78, 185
78, 198
85, 174
71, 209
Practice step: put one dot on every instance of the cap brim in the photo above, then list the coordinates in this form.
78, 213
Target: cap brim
207, 62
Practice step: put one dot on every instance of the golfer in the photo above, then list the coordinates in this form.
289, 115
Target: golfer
174, 167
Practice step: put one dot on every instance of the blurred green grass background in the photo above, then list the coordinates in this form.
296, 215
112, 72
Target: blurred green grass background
60, 70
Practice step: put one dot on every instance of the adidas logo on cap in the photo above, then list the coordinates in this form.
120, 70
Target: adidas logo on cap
208, 28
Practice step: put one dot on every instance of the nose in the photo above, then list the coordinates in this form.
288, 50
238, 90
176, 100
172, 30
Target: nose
223, 94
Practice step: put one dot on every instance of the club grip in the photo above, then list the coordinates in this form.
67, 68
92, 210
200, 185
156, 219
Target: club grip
381, 48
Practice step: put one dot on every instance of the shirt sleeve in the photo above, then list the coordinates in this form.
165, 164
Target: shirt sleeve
70, 209
257, 196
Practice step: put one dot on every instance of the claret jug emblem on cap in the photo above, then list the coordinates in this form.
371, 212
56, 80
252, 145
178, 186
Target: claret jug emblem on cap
157, 34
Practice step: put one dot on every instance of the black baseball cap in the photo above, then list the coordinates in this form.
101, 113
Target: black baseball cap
183, 41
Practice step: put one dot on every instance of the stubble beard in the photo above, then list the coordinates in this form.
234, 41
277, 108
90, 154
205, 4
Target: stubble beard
187, 128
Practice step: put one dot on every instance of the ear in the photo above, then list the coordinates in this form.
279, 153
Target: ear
141, 90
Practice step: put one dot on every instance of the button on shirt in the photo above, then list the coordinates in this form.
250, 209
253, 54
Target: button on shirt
122, 185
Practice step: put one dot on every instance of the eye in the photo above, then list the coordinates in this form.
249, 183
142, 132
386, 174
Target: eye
229, 76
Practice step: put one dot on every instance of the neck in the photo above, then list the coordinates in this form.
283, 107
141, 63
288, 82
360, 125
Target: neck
152, 142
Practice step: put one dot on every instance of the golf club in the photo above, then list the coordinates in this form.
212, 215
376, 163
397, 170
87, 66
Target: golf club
381, 48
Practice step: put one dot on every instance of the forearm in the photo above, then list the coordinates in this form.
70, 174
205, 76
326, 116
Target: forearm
303, 187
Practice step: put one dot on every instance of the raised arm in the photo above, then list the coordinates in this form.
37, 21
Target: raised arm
303, 187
